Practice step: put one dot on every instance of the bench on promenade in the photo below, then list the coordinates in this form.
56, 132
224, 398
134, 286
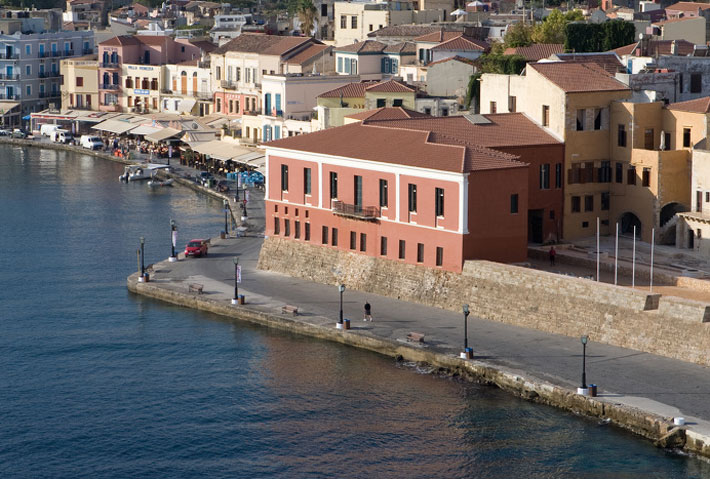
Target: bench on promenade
195, 288
289, 309
415, 337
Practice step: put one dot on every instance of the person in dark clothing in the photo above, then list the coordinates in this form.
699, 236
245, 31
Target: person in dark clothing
368, 312
553, 253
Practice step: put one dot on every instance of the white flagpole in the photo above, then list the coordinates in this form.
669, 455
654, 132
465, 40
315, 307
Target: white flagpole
616, 253
633, 262
653, 242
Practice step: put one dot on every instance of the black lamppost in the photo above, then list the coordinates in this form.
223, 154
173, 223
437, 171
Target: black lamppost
173, 229
466, 352
584, 340
341, 289
142, 257
235, 300
226, 211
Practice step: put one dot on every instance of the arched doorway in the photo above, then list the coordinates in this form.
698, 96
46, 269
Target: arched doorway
183, 82
669, 211
627, 223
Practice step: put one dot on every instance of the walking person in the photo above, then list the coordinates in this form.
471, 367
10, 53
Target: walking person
368, 312
553, 253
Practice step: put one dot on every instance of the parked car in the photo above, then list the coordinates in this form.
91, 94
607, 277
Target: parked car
91, 142
222, 186
48, 128
61, 136
204, 178
196, 247
19, 133
5, 132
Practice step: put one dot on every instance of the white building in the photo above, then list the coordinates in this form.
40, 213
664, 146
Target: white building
187, 88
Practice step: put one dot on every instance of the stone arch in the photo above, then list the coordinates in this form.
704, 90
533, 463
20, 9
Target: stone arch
669, 210
627, 222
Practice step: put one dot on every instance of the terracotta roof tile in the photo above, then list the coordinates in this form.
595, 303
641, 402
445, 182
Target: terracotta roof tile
658, 47
578, 77
438, 36
403, 48
368, 46
351, 90
120, 40
536, 51
307, 54
689, 6
412, 31
258, 43
454, 58
699, 105
386, 144
463, 43
390, 86
393, 113
609, 61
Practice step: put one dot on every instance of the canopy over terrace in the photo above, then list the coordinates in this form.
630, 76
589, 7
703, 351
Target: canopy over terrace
117, 127
163, 134
220, 150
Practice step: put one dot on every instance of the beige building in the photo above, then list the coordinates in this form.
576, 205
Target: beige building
691, 29
187, 88
141, 88
80, 88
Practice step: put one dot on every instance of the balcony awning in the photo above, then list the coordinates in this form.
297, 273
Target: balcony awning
220, 150
163, 134
144, 130
114, 126
186, 105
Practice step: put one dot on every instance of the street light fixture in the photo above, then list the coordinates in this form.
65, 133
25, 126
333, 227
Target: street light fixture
173, 240
467, 352
341, 289
226, 212
584, 340
142, 278
235, 299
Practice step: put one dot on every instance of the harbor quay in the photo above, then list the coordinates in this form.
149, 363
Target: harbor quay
659, 398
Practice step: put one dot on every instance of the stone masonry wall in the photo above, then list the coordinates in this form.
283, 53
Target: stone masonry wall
620, 316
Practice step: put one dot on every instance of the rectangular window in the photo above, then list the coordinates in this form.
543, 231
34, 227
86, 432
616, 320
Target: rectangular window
334, 237
605, 172
29, 90
353, 22
79, 81
297, 229
340, 65
353, 240
439, 201
307, 181
494, 107
619, 173
545, 115
686, 137
218, 73
576, 204
397, 101
646, 177
412, 198
383, 194
621, 136
597, 118
648, 139
439, 256
707, 197
588, 203
667, 137
284, 177
420, 252
514, 203
381, 102
383, 246
699, 201
512, 104
545, 176
287, 227
363, 242
357, 189
696, 83
558, 175
580, 119
605, 201
401, 249
631, 175
324, 237
307, 231
277, 225
333, 185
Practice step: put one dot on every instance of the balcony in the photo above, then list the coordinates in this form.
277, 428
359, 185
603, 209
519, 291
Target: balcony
5, 76
228, 84
106, 86
87, 51
5, 96
49, 74
45, 94
109, 65
12, 56
202, 95
356, 211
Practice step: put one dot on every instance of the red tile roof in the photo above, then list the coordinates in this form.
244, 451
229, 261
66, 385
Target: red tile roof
385, 144
463, 43
609, 61
454, 58
393, 113
578, 77
120, 41
390, 86
689, 6
537, 51
438, 36
403, 48
307, 54
264, 44
357, 90
658, 47
699, 105
368, 46
411, 31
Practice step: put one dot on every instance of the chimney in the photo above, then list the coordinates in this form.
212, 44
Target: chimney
674, 48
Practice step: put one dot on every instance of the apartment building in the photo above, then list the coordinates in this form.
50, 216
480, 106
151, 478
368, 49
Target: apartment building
80, 85
373, 60
187, 88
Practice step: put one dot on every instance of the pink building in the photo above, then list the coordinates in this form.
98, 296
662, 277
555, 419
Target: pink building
138, 50
410, 195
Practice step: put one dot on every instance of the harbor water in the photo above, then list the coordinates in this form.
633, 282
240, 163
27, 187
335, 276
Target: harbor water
96, 382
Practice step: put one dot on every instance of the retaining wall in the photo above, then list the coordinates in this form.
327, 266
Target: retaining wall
620, 316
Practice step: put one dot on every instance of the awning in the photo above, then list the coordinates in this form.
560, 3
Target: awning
144, 130
163, 134
249, 158
114, 126
186, 105
219, 149
6, 106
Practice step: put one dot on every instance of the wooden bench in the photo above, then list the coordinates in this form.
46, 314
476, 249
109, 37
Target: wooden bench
289, 309
415, 337
195, 288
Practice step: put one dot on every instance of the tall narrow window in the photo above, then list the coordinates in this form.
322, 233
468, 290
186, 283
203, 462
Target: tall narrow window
357, 187
287, 227
420, 252
648, 139
631, 175
597, 118
334, 237
324, 237
512, 104
619, 173
284, 177
401, 249
363, 242
493, 107
605, 172
686, 137
696, 83
580, 119
514, 203
333, 185
545, 115
439, 199
605, 201
439, 256
383, 245
589, 203
353, 240
545, 176
297, 229
307, 231
383, 194
621, 135
576, 204
307, 181
277, 225
412, 198
558, 175
646, 177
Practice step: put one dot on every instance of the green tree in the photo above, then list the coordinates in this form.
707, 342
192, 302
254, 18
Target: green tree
518, 35
617, 33
307, 14
551, 30
574, 16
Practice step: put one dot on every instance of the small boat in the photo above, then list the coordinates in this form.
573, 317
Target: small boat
140, 172
155, 182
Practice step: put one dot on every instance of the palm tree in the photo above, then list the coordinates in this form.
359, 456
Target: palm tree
307, 14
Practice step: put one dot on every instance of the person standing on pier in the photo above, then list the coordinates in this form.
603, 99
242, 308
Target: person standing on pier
368, 312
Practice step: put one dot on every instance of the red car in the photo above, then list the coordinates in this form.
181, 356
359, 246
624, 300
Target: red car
196, 247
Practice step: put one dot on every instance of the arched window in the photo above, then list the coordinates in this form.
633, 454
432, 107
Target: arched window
194, 74
183, 73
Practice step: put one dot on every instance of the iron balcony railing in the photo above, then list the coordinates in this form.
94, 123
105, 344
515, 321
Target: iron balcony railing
48, 94
48, 74
5, 96
12, 56
356, 211
5, 76
106, 86
108, 65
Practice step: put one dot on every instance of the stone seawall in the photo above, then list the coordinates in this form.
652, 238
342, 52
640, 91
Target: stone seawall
620, 316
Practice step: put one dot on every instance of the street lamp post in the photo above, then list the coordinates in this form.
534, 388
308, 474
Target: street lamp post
142, 278
226, 212
466, 354
584, 340
173, 230
341, 289
235, 299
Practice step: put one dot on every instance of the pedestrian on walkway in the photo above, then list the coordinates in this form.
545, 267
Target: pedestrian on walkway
553, 253
368, 312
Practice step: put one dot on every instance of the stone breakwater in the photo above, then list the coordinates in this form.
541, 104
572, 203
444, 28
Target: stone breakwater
652, 426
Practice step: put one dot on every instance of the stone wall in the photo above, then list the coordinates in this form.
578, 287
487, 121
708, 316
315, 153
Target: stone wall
667, 326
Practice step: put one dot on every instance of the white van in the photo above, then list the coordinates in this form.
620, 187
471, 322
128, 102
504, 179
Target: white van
91, 142
47, 129
61, 136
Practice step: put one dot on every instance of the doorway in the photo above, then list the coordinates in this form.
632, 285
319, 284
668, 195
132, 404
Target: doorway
535, 220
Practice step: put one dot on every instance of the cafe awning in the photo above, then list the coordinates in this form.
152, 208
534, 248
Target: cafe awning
219, 149
186, 105
144, 130
114, 126
163, 134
